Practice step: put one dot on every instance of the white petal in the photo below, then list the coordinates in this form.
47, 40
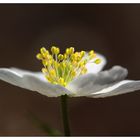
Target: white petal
32, 81
11, 77
122, 87
35, 84
24, 72
91, 83
95, 68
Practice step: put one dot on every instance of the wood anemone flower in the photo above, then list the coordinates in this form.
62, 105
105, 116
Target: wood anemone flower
73, 73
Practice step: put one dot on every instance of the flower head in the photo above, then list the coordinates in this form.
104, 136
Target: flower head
63, 68
72, 73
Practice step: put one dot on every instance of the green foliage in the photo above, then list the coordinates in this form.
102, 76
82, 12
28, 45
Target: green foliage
44, 126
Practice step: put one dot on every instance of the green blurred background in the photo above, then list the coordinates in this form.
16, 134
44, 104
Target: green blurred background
113, 30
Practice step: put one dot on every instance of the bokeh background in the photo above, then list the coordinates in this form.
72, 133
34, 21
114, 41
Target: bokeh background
113, 30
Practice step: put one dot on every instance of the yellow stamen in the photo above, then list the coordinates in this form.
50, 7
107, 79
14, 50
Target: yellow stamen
63, 68
44, 70
71, 50
97, 61
60, 56
39, 56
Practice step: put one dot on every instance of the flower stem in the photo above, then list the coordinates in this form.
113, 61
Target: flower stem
65, 115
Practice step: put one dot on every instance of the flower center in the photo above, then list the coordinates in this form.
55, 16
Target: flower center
63, 68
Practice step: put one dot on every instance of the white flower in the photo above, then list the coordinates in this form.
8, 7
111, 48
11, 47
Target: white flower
95, 83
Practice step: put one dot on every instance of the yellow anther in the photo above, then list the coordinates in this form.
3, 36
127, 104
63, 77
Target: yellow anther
44, 70
61, 80
71, 49
52, 72
63, 64
55, 64
97, 61
73, 73
82, 53
57, 50
49, 57
46, 54
74, 63
60, 56
78, 58
76, 54
91, 52
53, 49
84, 70
43, 50
50, 62
48, 78
67, 51
65, 56
39, 56
44, 62
81, 64
72, 57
